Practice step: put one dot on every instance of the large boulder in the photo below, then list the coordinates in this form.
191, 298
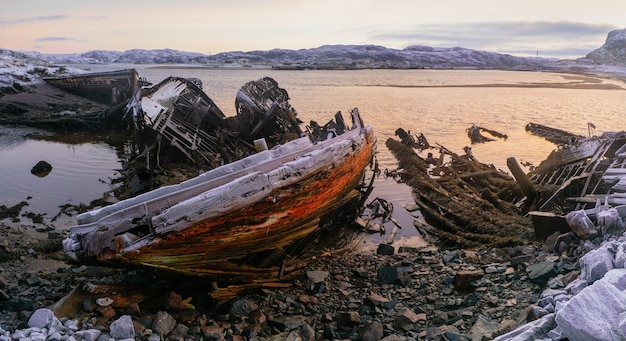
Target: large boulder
593, 314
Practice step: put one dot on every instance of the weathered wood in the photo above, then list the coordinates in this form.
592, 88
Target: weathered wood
223, 222
522, 180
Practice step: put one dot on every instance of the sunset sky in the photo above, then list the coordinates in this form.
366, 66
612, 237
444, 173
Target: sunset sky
551, 28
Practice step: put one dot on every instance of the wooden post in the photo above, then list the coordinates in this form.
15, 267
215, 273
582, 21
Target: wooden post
522, 180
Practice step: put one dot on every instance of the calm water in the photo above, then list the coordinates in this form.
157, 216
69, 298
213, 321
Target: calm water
440, 104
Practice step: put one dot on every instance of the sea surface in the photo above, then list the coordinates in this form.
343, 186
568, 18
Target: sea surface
441, 104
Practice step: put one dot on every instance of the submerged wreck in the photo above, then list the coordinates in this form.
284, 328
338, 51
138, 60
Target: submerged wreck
251, 216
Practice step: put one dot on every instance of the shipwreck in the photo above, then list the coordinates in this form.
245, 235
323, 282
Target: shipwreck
269, 186
111, 87
579, 188
584, 176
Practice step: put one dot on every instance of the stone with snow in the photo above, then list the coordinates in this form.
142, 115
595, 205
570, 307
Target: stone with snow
89, 334
44, 318
616, 277
593, 314
620, 255
576, 286
595, 264
123, 328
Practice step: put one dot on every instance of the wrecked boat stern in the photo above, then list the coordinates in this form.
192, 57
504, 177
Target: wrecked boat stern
250, 219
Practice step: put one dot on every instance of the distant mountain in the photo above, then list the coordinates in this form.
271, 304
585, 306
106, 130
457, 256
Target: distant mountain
613, 52
324, 56
609, 59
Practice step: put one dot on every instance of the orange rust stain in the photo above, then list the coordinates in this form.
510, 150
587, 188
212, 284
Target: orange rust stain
289, 214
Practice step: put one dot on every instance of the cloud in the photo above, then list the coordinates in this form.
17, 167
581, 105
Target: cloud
550, 38
34, 19
57, 39
49, 18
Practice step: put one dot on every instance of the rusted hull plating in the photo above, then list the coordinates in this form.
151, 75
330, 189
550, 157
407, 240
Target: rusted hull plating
216, 230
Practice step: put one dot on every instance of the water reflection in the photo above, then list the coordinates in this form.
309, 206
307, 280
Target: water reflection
440, 104
77, 171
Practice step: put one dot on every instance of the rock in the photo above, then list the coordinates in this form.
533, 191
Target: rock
372, 331
104, 301
517, 260
306, 333
394, 275
317, 276
89, 334
616, 277
164, 323
257, 317
287, 322
376, 300
530, 331
179, 332
212, 332
123, 328
242, 307
176, 302
483, 327
622, 323
407, 318
105, 313
385, 249
576, 286
347, 318
541, 272
595, 264
463, 280
580, 223
593, 314
44, 318
41, 169
620, 256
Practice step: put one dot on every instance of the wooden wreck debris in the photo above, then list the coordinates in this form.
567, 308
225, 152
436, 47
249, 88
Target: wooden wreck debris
554, 135
247, 220
584, 174
470, 204
419, 141
475, 134
111, 87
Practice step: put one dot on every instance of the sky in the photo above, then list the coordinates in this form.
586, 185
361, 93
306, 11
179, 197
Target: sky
547, 28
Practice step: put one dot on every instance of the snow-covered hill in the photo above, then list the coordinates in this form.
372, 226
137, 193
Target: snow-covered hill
363, 55
613, 52
610, 59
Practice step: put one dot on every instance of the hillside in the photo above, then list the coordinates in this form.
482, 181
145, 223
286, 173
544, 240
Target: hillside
363, 56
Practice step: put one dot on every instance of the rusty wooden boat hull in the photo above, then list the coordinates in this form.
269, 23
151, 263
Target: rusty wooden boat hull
239, 220
113, 87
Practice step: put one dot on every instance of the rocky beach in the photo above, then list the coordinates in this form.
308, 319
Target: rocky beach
541, 291
513, 287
